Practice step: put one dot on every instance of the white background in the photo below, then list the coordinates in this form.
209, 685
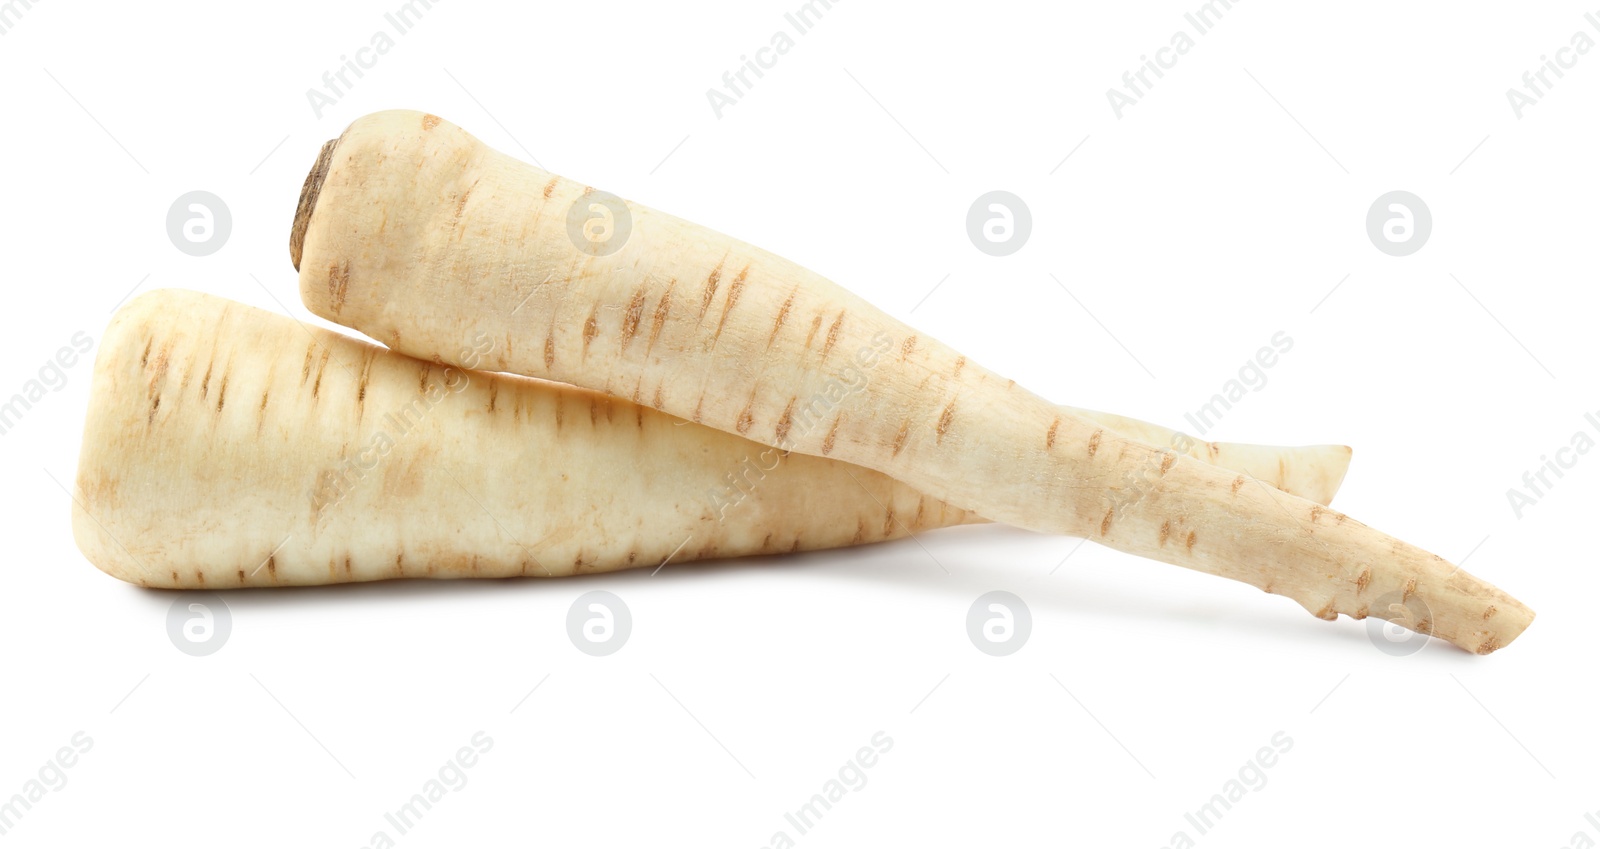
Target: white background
1223, 208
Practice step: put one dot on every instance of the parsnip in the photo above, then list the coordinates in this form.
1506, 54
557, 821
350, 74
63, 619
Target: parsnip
219, 434
417, 234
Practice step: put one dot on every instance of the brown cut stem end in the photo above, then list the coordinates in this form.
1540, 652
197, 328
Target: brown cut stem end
308, 200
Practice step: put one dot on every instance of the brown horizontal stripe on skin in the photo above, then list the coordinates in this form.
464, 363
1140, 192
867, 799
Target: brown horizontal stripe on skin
900, 437
630, 318
833, 335
591, 328
338, 284
366, 377
461, 204
316, 385
734, 289
158, 378
816, 323
777, 325
659, 320
944, 422
784, 422
188, 373
710, 290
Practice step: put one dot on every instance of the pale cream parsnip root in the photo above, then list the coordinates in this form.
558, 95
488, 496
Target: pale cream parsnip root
417, 234
220, 434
